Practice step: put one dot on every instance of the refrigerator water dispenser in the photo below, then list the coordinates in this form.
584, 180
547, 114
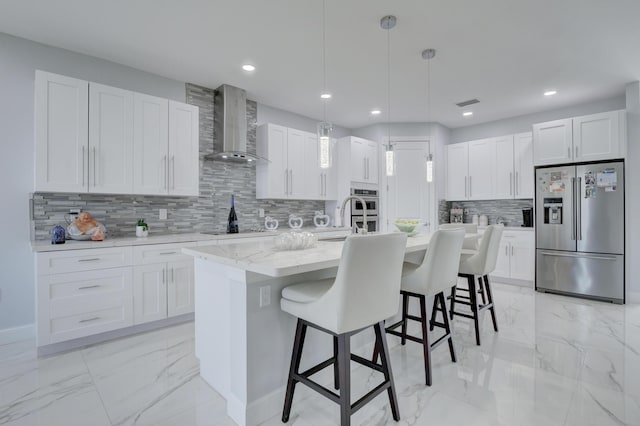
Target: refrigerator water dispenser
553, 211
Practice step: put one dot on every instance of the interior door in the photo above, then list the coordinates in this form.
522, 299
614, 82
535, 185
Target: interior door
409, 193
600, 208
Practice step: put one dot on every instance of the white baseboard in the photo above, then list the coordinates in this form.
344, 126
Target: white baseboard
10, 335
633, 297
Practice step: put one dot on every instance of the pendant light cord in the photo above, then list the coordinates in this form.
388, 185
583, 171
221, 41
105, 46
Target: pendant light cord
324, 59
389, 88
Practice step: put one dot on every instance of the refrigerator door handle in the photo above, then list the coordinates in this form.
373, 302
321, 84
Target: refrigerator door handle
579, 205
573, 210
578, 256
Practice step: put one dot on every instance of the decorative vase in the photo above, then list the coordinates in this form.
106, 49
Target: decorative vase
141, 232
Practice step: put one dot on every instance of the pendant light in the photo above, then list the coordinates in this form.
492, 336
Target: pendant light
429, 54
387, 23
325, 129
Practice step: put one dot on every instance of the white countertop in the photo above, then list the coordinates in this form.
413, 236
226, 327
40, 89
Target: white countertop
263, 257
512, 228
45, 245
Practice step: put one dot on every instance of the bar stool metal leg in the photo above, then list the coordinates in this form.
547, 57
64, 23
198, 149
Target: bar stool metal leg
473, 295
425, 340
492, 309
405, 312
344, 358
336, 370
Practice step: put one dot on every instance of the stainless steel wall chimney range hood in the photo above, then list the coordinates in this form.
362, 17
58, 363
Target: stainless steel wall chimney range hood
230, 126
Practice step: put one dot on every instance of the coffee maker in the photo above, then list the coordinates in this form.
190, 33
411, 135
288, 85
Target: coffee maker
527, 217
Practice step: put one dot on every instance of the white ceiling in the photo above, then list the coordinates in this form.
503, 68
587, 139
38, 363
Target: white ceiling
503, 52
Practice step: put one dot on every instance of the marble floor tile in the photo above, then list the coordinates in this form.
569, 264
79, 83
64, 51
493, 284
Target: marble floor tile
555, 361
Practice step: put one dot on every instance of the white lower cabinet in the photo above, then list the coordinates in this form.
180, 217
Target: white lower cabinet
163, 282
516, 256
85, 292
82, 297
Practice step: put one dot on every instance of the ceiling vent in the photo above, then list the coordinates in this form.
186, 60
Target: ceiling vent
467, 103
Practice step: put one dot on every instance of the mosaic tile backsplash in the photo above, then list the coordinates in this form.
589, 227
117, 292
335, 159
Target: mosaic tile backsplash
208, 212
510, 210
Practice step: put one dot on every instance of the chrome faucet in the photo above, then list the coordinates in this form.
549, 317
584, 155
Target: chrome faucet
355, 228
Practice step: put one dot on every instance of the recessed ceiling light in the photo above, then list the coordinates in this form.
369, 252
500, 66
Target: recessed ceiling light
550, 92
375, 111
248, 67
467, 113
326, 95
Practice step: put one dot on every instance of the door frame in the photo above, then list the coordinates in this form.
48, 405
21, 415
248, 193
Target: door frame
384, 184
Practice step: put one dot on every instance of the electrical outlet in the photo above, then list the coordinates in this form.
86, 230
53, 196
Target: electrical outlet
265, 296
260, 212
163, 214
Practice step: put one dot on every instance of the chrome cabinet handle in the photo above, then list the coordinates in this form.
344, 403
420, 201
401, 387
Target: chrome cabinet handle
165, 173
364, 168
510, 183
173, 278
291, 181
511, 250
82, 165
286, 181
173, 172
506, 250
516, 185
94, 166
86, 287
167, 252
89, 320
465, 187
470, 191
164, 271
93, 259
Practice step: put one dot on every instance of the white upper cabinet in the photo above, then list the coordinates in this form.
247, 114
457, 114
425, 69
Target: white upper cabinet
482, 168
553, 142
598, 136
110, 140
504, 168
364, 161
184, 149
61, 133
94, 138
457, 171
523, 165
491, 169
589, 138
273, 177
293, 170
150, 144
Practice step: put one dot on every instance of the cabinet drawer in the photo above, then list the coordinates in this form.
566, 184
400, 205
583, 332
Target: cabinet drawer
158, 253
83, 260
83, 287
85, 324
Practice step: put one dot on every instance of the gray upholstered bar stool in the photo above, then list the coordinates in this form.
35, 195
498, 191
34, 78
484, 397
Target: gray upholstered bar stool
437, 273
469, 228
479, 265
364, 293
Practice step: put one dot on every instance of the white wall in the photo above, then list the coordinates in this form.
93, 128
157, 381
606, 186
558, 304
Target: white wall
632, 195
267, 114
523, 123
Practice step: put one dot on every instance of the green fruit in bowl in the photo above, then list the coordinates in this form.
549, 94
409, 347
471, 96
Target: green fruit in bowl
407, 225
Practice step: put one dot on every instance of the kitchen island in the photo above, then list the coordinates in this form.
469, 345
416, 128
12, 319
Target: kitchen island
243, 340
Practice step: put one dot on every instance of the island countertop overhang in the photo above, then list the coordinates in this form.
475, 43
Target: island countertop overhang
264, 258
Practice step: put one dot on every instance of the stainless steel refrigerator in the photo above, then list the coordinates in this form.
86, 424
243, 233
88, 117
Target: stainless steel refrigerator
580, 230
